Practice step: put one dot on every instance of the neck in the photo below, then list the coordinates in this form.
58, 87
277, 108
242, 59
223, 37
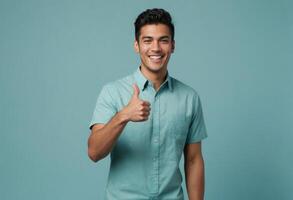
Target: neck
157, 78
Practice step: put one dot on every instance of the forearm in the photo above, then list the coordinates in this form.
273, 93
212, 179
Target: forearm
102, 141
194, 175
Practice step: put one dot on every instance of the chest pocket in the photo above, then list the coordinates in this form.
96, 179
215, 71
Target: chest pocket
179, 127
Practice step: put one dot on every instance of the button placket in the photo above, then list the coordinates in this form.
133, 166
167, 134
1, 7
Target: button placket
155, 144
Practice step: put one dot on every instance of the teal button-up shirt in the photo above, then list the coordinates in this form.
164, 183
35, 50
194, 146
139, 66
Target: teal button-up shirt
145, 159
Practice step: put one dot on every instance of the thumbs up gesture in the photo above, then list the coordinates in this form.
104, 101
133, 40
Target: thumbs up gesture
137, 110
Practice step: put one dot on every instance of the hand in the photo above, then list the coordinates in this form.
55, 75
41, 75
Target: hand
136, 110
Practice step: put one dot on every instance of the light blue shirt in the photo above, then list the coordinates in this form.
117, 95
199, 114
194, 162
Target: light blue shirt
145, 159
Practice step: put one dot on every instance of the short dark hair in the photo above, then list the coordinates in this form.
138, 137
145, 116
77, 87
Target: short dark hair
153, 16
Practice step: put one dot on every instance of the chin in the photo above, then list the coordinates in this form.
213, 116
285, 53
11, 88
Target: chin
155, 68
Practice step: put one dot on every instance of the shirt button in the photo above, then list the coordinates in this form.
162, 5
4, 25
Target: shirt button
155, 140
154, 159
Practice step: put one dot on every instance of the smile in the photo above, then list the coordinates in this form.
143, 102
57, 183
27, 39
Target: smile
155, 58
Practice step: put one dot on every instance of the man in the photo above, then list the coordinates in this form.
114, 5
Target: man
147, 120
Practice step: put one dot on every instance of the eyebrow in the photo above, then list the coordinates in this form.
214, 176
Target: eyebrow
162, 37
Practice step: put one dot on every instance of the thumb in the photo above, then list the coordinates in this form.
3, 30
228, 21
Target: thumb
135, 91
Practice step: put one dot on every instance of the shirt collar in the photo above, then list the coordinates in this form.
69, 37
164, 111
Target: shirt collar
142, 81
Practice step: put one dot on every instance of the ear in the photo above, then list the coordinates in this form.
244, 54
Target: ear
136, 47
173, 46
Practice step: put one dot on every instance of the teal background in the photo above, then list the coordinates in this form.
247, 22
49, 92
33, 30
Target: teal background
56, 55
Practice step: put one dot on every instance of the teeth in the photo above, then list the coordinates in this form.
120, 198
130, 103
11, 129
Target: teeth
155, 57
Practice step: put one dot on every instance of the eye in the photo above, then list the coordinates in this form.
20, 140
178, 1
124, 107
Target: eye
165, 41
147, 41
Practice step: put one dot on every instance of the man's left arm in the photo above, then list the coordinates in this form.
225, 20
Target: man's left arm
194, 171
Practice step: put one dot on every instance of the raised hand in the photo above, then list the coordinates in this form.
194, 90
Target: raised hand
137, 110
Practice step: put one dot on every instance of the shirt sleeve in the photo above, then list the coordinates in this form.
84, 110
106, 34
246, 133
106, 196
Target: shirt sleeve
197, 129
105, 108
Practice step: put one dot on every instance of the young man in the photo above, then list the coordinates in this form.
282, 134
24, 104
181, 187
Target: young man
147, 120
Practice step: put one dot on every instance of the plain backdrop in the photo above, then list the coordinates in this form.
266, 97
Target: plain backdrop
56, 55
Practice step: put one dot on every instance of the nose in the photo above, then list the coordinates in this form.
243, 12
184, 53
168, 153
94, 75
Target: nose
155, 46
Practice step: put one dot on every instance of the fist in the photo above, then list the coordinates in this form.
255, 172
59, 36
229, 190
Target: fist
137, 110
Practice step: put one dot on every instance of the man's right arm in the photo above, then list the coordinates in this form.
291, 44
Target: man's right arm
104, 136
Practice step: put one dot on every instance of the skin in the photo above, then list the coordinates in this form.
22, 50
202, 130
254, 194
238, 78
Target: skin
154, 47
194, 171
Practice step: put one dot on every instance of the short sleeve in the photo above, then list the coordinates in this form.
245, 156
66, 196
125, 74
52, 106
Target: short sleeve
197, 129
105, 108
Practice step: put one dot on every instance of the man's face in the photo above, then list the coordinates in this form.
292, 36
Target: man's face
155, 46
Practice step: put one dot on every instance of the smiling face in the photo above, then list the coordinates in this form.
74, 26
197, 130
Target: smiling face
155, 47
